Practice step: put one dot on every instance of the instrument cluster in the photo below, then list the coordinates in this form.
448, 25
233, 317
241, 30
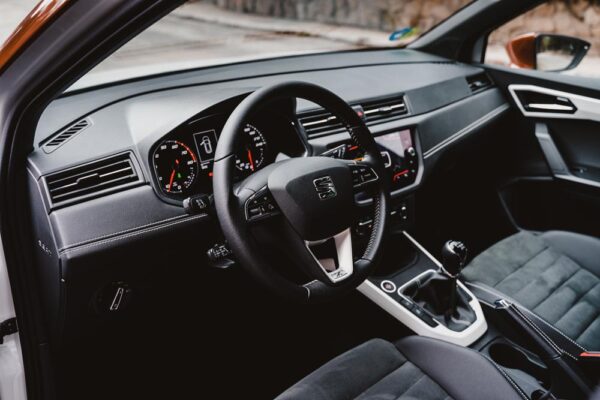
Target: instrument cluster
182, 161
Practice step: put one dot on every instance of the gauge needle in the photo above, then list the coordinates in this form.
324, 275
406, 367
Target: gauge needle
171, 180
250, 160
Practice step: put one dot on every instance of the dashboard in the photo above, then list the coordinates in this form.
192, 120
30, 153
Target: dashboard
112, 167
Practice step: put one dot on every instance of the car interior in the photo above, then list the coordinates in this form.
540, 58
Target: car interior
383, 223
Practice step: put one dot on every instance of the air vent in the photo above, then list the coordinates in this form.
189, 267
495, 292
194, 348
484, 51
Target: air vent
384, 109
92, 179
479, 82
62, 137
319, 123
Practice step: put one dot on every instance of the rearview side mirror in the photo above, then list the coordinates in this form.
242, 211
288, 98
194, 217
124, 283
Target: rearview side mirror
546, 52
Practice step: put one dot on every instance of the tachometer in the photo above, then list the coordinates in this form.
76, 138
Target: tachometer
253, 150
176, 166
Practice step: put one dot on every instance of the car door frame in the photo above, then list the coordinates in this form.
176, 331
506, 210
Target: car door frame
68, 45
12, 371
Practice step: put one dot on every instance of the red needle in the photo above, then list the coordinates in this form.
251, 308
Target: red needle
250, 159
171, 180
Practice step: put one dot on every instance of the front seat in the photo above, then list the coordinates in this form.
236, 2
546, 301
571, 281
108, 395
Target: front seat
554, 275
415, 368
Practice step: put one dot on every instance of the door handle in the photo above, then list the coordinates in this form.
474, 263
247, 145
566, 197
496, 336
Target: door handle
550, 107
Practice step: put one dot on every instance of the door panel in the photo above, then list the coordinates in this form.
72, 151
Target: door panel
564, 116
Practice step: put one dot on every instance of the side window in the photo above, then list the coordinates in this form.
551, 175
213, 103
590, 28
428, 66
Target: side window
561, 36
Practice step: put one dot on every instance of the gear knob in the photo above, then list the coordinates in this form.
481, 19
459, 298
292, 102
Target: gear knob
454, 257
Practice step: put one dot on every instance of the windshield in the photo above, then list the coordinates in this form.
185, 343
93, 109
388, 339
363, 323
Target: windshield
212, 32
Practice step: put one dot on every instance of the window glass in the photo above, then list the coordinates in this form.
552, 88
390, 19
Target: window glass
559, 36
218, 32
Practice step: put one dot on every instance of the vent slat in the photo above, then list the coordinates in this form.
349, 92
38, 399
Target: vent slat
62, 137
321, 123
384, 109
91, 178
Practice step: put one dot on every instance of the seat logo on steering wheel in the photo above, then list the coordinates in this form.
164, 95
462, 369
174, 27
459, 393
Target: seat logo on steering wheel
325, 187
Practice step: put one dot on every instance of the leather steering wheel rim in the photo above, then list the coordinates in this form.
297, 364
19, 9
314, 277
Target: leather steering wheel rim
234, 222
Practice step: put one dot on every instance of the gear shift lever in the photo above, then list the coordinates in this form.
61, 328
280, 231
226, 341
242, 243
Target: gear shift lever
454, 256
438, 293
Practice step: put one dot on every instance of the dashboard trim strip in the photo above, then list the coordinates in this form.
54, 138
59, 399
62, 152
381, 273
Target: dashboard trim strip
466, 130
151, 227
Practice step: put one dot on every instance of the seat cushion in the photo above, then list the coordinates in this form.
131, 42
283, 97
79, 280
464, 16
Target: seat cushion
416, 368
556, 275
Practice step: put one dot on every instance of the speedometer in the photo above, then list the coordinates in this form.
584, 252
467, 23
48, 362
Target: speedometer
175, 165
253, 150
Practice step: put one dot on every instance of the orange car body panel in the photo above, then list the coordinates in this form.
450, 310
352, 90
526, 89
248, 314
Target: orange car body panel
44, 11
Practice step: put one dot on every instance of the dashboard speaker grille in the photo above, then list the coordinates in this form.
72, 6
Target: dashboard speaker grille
92, 179
62, 137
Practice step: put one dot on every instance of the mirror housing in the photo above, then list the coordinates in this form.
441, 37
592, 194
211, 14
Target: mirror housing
546, 52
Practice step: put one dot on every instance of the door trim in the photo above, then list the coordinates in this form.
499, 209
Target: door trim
587, 108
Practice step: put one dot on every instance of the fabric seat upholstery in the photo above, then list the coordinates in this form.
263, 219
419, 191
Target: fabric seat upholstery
414, 368
556, 275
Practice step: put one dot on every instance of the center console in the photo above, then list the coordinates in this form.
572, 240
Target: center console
425, 295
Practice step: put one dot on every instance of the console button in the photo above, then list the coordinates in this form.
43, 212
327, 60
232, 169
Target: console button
423, 316
406, 303
388, 286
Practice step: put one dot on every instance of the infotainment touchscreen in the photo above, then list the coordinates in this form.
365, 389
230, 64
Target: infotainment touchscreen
396, 142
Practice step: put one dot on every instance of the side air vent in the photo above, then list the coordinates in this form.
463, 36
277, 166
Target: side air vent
319, 123
384, 109
479, 82
92, 179
62, 137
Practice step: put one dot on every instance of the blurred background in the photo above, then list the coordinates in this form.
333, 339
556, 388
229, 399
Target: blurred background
209, 32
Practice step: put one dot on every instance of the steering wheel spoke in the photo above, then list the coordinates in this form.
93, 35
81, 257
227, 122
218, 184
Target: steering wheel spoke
339, 266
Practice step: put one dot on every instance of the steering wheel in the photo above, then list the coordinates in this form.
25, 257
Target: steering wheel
299, 204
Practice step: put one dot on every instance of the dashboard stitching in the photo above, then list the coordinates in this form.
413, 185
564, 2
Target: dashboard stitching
130, 232
466, 130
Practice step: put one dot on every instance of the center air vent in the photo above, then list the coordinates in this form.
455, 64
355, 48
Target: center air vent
321, 123
384, 109
92, 179
479, 82
62, 137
